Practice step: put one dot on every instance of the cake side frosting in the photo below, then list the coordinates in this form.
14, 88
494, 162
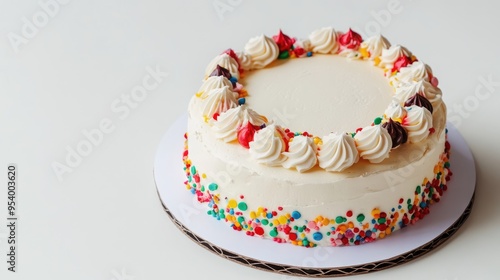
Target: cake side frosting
327, 215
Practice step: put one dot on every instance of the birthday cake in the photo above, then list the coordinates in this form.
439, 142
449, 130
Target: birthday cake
330, 140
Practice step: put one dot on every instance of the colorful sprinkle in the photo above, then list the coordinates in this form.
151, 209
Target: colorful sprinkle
360, 218
213, 187
232, 204
317, 236
242, 206
259, 231
296, 215
284, 55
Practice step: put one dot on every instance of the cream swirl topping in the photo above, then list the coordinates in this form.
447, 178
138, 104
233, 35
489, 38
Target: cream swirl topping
432, 93
263, 50
227, 124
390, 55
416, 72
268, 146
395, 111
338, 152
213, 83
375, 45
301, 154
218, 100
225, 61
324, 40
245, 60
418, 121
373, 143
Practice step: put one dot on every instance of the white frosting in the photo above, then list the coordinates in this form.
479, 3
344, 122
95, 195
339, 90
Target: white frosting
415, 72
213, 83
225, 61
390, 55
395, 110
337, 152
373, 143
375, 45
324, 40
227, 124
218, 100
268, 145
407, 90
263, 50
245, 60
301, 154
327, 82
418, 121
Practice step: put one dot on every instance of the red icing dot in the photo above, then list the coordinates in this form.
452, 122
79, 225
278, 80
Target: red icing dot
292, 236
245, 134
447, 145
287, 229
345, 241
350, 40
349, 213
280, 208
299, 51
401, 62
259, 231
215, 116
283, 41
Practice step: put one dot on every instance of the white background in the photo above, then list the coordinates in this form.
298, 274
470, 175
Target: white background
103, 220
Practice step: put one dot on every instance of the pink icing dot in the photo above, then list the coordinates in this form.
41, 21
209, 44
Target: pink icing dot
434, 81
311, 225
238, 87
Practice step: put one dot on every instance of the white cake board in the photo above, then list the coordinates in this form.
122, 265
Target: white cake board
400, 247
